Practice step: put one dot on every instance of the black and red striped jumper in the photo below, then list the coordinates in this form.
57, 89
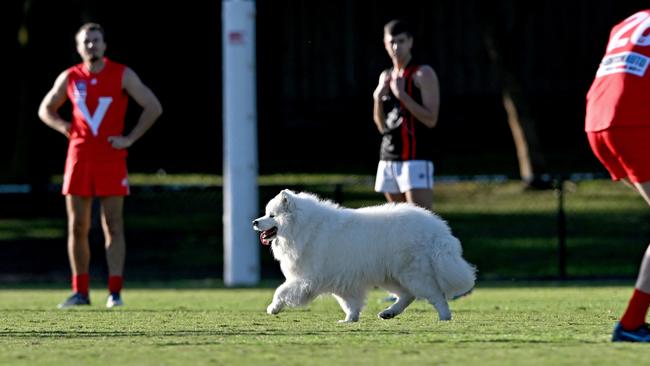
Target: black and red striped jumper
405, 137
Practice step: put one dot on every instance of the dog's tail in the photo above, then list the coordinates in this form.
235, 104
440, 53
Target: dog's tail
454, 275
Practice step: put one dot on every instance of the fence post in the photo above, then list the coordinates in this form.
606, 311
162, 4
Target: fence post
561, 228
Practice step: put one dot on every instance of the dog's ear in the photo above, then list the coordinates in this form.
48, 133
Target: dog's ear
286, 197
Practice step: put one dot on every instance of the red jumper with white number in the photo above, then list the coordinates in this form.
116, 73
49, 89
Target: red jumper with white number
620, 94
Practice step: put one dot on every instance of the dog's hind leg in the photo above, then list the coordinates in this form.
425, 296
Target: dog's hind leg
433, 294
404, 299
440, 303
351, 305
290, 293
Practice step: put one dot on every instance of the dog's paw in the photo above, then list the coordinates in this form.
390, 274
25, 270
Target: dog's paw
273, 309
387, 314
345, 321
350, 318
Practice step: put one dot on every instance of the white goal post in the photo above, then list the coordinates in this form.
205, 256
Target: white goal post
240, 190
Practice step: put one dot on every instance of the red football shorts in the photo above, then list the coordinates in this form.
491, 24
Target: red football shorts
625, 152
96, 178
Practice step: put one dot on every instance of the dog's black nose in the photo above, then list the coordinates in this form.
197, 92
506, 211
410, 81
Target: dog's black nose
254, 222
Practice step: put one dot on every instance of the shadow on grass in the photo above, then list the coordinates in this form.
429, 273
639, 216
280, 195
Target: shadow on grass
343, 332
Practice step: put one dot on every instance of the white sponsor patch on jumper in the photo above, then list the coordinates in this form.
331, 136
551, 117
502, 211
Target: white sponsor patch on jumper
627, 62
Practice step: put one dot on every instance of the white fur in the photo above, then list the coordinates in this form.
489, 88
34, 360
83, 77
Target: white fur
325, 248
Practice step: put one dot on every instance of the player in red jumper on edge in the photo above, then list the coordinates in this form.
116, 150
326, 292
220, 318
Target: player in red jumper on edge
618, 127
95, 166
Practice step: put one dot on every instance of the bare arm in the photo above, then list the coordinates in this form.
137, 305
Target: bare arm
380, 92
53, 100
427, 80
151, 109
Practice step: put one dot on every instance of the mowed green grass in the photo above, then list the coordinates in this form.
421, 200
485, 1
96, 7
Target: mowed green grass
540, 324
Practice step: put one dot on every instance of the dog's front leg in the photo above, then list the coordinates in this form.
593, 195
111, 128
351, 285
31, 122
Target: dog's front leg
351, 305
290, 293
274, 307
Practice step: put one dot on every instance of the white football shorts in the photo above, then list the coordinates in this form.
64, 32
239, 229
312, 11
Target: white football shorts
403, 176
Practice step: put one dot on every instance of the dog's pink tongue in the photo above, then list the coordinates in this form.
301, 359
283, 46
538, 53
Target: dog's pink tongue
264, 241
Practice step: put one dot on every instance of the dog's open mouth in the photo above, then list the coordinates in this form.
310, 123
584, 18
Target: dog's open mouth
267, 236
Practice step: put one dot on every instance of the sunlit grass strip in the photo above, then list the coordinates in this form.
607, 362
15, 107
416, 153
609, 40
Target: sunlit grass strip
540, 325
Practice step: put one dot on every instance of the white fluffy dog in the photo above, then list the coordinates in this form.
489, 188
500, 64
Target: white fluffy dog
325, 248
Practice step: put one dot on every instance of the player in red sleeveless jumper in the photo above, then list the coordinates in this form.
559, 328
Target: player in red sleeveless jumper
618, 128
406, 104
98, 89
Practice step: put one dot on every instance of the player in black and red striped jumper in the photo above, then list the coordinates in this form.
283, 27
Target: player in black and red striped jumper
406, 103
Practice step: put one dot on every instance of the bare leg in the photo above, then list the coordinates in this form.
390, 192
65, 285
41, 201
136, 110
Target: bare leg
420, 197
395, 197
79, 209
644, 190
643, 279
113, 226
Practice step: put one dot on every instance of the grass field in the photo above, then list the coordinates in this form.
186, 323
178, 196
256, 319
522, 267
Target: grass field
538, 324
506, 232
